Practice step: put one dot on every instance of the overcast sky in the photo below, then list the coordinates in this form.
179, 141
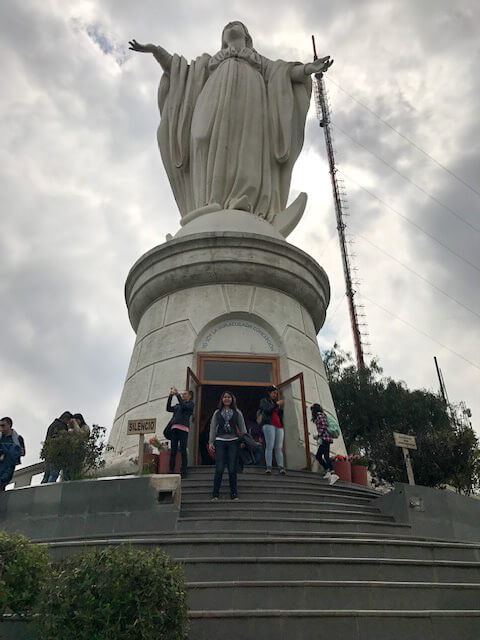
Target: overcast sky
84, 193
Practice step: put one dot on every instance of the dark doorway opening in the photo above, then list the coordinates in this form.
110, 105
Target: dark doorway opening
248, 400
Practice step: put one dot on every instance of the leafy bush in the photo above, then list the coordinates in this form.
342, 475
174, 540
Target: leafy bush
370, 407
24, 568
75, 453
115, 594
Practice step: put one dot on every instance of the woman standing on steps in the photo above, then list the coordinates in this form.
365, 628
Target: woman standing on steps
182, 413
226, 426
324, 441
271, 408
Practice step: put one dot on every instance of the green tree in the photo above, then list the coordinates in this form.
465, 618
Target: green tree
466, 478
370, 407
76, 454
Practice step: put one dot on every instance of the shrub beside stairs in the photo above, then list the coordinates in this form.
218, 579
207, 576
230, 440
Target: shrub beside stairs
297, 559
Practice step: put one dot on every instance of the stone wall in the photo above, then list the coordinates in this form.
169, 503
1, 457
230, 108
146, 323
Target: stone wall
239, 294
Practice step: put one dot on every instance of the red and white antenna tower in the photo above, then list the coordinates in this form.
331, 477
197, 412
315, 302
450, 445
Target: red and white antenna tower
341, 206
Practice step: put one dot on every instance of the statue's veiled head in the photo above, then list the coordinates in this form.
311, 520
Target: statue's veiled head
236, 27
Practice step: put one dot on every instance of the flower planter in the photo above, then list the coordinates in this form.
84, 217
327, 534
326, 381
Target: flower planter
360, 474
164, 462
343, 469
150, 462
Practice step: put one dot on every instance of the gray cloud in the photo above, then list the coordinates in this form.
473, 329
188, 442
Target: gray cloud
84, 193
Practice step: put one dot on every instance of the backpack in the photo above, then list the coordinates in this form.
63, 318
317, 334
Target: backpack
332, 427
168, 431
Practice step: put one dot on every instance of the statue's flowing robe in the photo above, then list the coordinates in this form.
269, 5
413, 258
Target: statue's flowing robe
231, 129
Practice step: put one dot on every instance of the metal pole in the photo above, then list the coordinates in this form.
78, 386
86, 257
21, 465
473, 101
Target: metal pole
440, 380
408, 464
325, 124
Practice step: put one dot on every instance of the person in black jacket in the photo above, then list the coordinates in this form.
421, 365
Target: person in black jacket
59, 424
226, 426
271, 407
182, 413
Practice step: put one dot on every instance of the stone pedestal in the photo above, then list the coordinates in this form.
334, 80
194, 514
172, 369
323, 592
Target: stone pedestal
223, 292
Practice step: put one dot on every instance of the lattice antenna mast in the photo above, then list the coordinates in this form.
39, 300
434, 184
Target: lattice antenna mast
340, 202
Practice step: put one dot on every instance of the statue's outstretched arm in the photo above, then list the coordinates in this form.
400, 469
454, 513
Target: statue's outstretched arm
299, 71
160, 54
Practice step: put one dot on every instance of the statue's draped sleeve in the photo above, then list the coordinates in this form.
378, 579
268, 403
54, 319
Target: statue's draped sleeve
177, 96
288, 104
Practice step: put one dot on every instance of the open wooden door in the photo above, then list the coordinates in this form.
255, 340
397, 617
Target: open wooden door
194, 384
295, 410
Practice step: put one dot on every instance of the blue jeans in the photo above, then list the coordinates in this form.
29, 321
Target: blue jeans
226, 455
51, 475
258, 455
273, 441
323, 456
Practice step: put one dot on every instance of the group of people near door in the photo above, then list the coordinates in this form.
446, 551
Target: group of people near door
228, 433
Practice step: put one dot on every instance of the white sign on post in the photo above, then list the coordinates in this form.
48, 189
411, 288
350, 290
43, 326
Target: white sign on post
406, 442
140, 428
137, 427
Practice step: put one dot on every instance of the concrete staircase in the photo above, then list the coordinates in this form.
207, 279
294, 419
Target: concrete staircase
297, 559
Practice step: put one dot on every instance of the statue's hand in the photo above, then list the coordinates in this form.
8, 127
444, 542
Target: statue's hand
143, 48
318, 66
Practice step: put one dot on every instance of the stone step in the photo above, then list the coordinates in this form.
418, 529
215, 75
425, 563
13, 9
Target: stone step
317, 547
251, 489
280, 482
329, 594
402, 533
398, 535
233, 510
217, 522
286, 624
307, 568
208, 545
198, 503
298, 476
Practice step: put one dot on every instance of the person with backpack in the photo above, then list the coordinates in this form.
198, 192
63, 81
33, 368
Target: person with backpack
271, 414
325, 439
12, 448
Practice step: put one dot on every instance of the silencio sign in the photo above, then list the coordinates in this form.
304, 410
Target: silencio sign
137, 427
140, 428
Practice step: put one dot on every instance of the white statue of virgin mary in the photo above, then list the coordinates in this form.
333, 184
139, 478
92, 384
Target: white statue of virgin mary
232, 125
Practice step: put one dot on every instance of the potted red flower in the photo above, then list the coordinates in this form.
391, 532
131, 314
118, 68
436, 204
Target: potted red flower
163, 456
359, 465
343, 469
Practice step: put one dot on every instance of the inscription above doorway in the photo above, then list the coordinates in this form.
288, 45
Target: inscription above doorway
240, 335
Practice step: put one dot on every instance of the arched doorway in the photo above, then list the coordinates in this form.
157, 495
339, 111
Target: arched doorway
247, 376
